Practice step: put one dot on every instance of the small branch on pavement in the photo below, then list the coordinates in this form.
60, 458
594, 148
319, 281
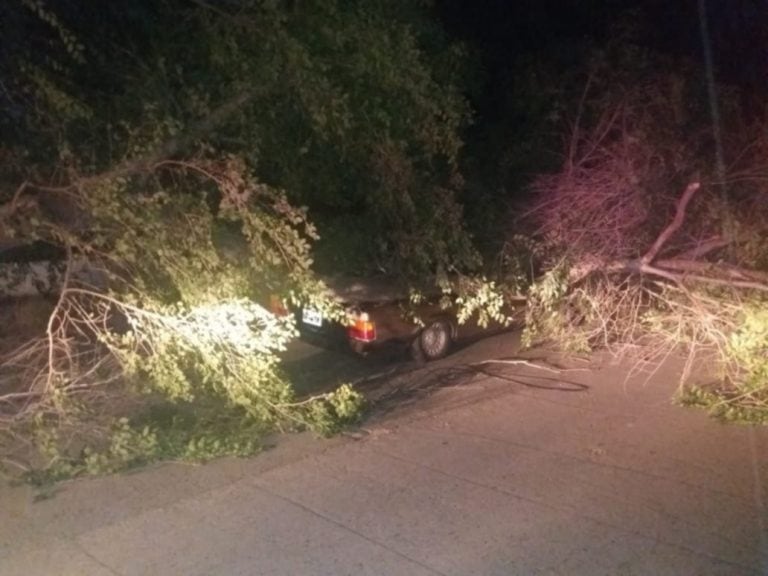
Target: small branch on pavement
530, 365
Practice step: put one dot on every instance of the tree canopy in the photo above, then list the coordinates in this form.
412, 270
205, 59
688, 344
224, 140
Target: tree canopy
353, 108
180, 156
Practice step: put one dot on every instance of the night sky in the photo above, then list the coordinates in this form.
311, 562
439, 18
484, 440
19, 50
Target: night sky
502, 31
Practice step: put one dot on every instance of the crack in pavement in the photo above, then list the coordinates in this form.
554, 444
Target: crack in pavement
567, 509
346, 528
80, 546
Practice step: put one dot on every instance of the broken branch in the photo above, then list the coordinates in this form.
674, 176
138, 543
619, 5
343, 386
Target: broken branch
673, 226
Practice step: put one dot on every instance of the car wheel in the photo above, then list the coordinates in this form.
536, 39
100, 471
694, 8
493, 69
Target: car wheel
358, 348
434, 341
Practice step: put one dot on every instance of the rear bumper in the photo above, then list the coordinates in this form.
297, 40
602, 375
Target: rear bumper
336, 337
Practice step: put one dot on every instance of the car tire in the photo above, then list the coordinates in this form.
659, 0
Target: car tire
359, 348
433, 341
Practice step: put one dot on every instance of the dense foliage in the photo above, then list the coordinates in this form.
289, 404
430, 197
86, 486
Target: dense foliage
163, 147
353, 108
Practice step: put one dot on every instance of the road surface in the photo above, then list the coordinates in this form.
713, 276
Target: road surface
496, 469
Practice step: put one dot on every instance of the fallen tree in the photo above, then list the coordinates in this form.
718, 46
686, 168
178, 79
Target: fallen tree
632, 266
176, 171
176, 322
681, 268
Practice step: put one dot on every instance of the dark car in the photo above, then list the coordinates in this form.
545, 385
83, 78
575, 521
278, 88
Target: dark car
381, 313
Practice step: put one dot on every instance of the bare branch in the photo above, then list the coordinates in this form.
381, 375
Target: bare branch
702, 249
9, 209
673, 226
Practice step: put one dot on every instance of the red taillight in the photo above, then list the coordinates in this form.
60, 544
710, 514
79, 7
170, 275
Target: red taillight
277, 306
361, 328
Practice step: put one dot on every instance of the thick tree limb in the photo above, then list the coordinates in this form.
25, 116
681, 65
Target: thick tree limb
746, 284
654, 271
175, 145
684, 265
142, 163
704, 248
732, 272
681, 278
677, 271
673, 226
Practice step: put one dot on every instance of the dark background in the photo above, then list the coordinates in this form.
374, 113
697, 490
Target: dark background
519, 51
501, 31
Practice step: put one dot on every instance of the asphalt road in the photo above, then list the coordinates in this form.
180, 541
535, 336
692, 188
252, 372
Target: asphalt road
462, 469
